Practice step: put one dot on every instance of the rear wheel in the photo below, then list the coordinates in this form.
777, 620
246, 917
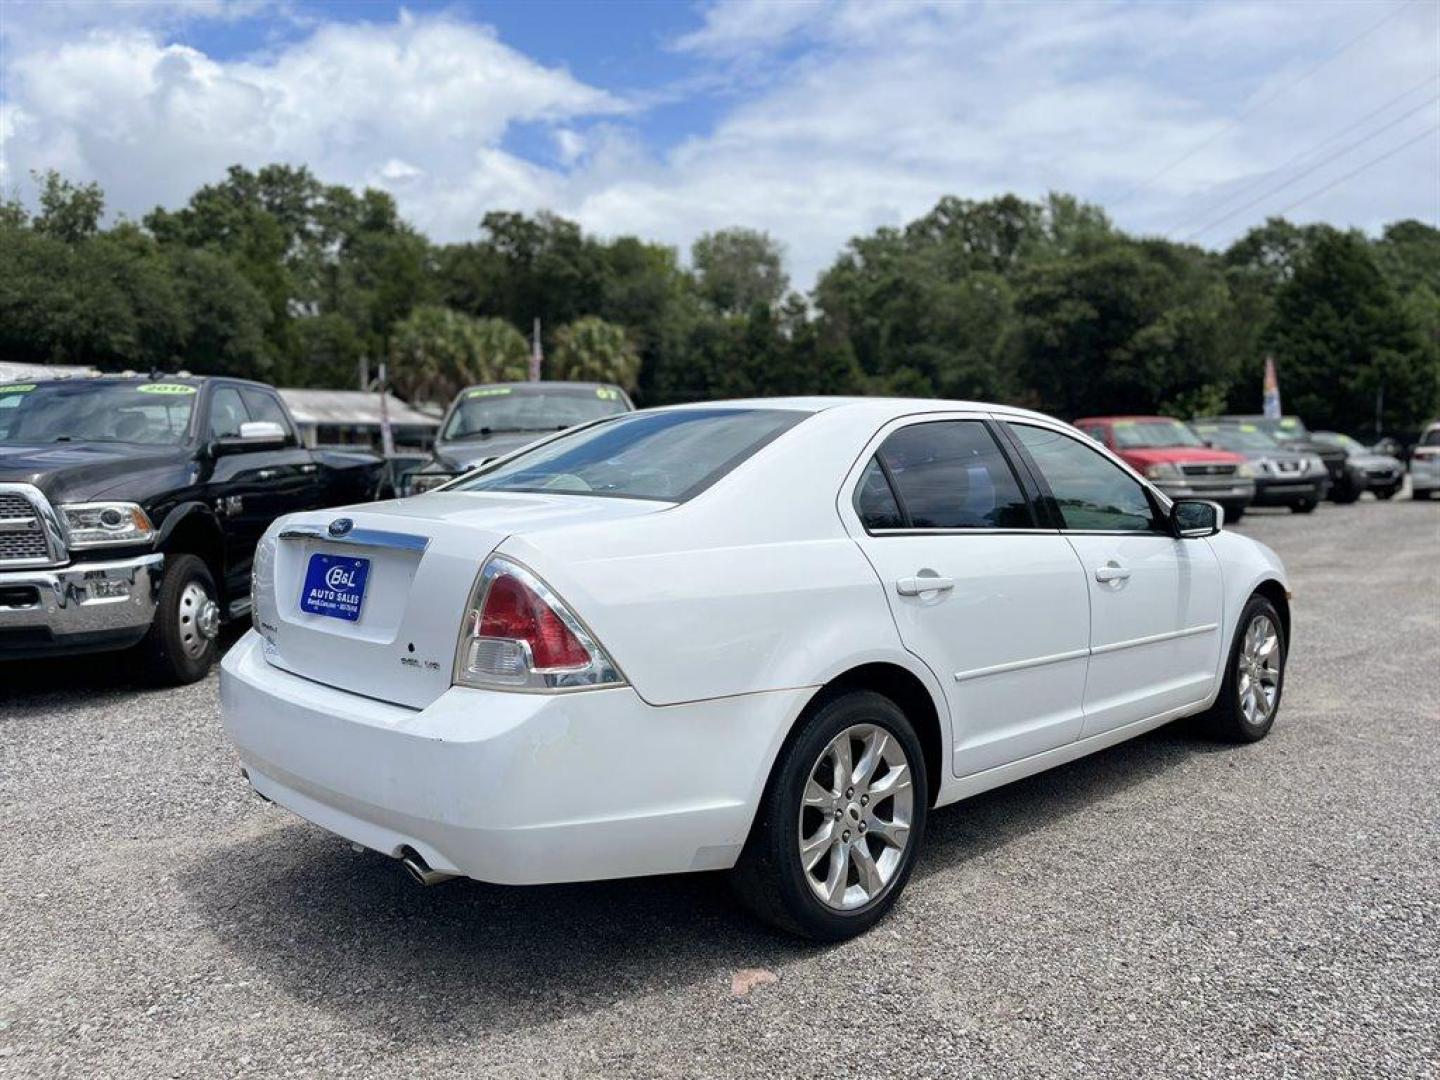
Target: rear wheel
840, 823
181, 644
1254, 675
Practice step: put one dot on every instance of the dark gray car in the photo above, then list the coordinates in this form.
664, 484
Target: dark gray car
489, 421
1383, 474
1284, 476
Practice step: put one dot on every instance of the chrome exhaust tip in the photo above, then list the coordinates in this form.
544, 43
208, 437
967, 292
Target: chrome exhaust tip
420, 871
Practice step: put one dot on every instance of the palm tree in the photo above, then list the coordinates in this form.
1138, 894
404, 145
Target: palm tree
435, 352
594, 350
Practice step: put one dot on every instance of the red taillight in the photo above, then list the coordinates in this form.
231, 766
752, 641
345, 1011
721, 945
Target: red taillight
516, 612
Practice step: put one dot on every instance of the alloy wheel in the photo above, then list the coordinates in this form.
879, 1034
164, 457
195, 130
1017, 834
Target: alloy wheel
854, 828
1258, 670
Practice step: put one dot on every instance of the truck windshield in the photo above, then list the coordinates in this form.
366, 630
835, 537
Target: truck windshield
669, 456
145, 413
487, 410
1152, 434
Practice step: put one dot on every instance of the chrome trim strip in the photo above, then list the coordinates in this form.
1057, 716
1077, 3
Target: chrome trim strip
1021, 665
1153, 639
1076, 654
962, 532
358, 538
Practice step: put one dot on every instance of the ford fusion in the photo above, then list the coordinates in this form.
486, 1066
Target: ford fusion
764, 637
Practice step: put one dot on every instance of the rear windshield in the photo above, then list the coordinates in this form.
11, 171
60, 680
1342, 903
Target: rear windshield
668, 456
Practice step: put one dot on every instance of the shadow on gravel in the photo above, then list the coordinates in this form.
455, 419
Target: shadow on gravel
351, 934
52, 680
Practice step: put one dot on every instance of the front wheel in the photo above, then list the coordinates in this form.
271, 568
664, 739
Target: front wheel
1303, 506
1254, 675
181, 644
841, 820
1386, 493
1345, 494
1233, 512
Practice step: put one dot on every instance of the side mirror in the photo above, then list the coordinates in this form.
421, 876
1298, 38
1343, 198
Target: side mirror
254, 435
1191, 518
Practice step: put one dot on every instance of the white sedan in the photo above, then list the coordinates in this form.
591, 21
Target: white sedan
766, 636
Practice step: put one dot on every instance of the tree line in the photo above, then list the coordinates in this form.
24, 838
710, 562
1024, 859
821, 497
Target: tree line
272, 274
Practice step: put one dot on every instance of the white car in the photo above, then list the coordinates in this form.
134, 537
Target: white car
1425, 464
766, 637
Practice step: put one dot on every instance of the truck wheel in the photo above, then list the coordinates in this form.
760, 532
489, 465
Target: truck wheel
181, 647
840, 823
1303, 506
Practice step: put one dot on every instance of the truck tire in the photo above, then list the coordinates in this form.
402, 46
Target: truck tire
181, 645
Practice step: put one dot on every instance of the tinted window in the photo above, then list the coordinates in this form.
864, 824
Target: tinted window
227, 413
670, 456
1431, 438
950, 474
1092, 492
875, 502
266, 406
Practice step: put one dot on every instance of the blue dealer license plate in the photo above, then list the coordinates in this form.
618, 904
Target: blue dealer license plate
335, 586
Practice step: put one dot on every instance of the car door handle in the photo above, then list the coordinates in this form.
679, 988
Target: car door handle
923, 583
1112, 571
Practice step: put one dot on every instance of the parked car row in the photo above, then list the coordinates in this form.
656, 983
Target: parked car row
1242, 461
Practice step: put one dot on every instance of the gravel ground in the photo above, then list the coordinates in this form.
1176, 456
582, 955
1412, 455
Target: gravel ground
1168, 907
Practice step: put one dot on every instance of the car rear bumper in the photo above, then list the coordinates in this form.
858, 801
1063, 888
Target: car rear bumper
1425, 474
512, 788
84, 607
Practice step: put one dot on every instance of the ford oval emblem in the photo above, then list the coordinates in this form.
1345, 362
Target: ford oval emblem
341, 526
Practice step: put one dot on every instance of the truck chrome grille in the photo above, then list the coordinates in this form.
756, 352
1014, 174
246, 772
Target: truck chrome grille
24, 539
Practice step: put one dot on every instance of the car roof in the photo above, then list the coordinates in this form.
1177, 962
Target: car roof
871, 405
120, 378
1132, 416
543, 384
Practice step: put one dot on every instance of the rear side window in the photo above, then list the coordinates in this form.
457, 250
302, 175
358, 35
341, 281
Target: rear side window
949, 474
669, 456
875, 501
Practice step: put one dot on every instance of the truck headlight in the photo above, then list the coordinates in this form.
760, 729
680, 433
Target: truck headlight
422, 481
1162, 471
102, 524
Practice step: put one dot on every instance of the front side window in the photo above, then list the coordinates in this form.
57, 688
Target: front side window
669, 456
227, 413
948, 474
262, 405
1092, 493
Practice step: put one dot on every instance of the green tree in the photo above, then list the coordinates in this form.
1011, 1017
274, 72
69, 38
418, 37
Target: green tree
593, 350
738, 269
435, 351
1340, 334
68, 211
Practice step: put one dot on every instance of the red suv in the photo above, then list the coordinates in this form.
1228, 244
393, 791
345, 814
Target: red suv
1176, 460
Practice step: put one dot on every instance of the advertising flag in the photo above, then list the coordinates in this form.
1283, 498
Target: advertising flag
1272, 390
537, 358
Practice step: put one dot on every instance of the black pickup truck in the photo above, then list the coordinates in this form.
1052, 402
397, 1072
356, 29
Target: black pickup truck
130, 508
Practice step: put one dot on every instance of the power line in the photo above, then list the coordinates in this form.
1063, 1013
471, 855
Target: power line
1356, 172
1312, 169
1246, 189
1253, 109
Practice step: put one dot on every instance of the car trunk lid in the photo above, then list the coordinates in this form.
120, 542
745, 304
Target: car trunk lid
370, 598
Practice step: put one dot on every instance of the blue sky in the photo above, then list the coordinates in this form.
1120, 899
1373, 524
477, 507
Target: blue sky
815, 120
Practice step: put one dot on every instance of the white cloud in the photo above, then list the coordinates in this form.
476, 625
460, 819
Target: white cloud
839, 115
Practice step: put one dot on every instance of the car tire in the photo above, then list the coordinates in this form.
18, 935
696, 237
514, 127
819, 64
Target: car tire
1422, 495
181, 645
1304, 506
805, 806
1345, 494
1233, 512
1245, 709
1386, 493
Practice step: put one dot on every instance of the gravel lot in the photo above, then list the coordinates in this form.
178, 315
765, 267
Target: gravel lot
1168, 907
